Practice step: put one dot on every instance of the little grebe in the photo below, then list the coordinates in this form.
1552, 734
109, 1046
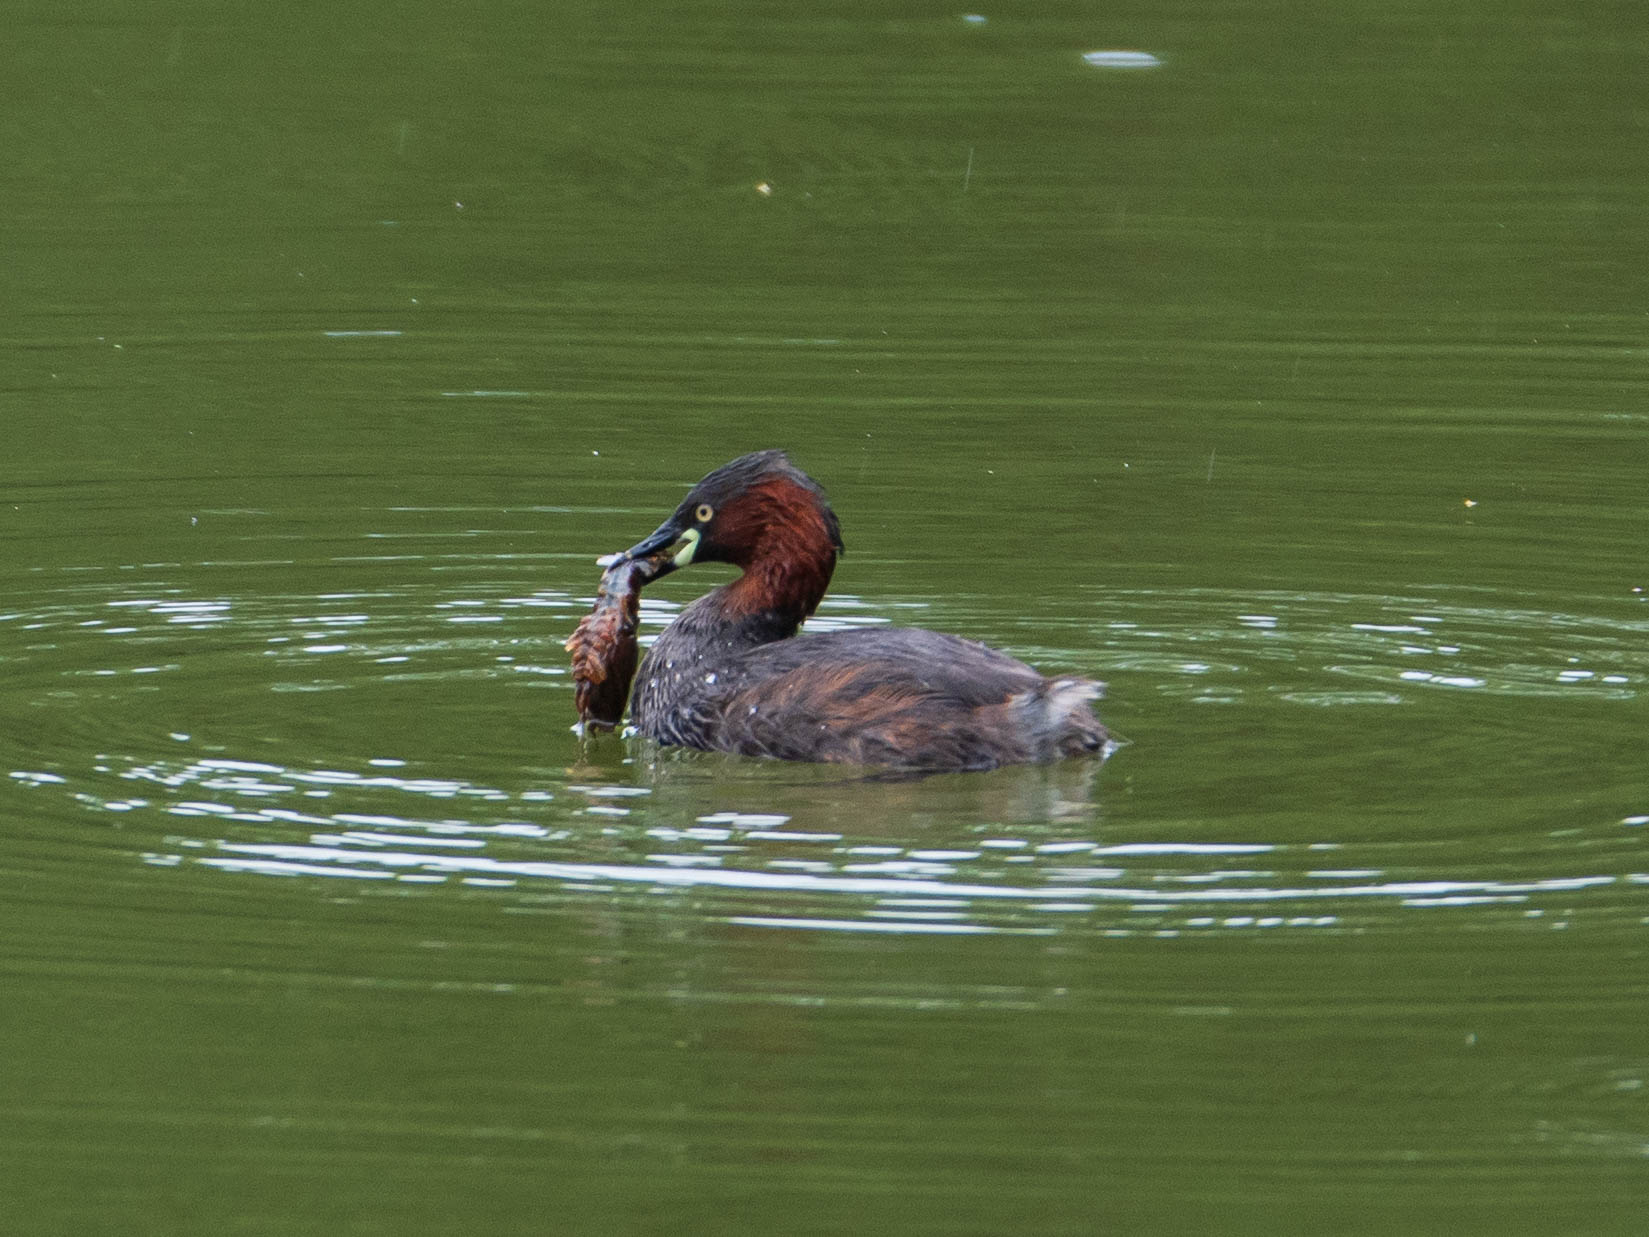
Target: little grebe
731, 674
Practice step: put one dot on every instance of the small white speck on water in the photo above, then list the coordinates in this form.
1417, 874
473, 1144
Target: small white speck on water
1121, 59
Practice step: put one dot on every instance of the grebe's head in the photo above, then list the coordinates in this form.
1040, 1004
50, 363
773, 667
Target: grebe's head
760, 508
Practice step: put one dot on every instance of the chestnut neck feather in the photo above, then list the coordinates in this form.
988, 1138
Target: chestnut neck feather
785, 541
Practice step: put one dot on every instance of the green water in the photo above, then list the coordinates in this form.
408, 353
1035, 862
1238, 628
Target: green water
1294, 386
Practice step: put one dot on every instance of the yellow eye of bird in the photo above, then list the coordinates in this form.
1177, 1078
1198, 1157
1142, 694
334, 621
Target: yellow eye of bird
703, 514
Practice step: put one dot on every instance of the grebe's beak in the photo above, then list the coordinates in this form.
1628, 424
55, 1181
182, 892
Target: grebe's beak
668, 536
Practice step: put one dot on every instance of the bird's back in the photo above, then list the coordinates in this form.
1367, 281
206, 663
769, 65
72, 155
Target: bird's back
900, 697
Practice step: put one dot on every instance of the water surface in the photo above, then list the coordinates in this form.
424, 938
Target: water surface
1292, 385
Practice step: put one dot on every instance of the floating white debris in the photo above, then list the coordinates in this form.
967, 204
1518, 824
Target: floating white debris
1118, 59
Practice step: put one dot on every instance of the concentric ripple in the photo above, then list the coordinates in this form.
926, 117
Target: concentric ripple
1396, 647
290, 736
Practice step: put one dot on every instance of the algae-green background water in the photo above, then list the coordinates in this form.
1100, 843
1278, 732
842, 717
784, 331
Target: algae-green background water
1295, 386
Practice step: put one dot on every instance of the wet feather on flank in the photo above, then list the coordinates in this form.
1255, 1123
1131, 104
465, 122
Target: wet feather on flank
732, 674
